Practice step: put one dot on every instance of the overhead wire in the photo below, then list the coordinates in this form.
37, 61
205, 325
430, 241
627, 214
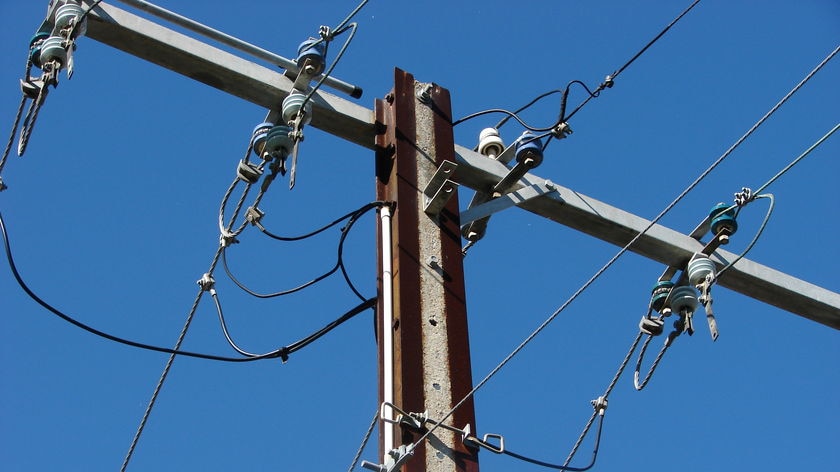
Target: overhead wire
365, 440
607, 83
624, 249
339, 264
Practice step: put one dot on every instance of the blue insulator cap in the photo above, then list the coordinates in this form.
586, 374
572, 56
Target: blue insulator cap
35, 47
278, 142
723, 217
529, 147
258, 137
659, 294
315, 50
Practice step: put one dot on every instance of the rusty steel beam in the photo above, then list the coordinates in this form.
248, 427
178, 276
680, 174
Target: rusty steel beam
431, 342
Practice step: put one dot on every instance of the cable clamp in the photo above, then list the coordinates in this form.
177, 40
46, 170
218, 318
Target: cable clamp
248, 172
600, 405
744, 196
227, 239
394, 460
486, 443
254, 215
206, 282
562, 130
651, 326
609, 81
326, 33
2, 185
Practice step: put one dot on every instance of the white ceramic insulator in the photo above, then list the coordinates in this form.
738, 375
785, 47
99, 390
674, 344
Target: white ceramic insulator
489, 142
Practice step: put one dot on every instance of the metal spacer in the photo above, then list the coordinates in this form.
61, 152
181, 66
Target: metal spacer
600, 404
561, 130
254, 215
228, 239
206, 282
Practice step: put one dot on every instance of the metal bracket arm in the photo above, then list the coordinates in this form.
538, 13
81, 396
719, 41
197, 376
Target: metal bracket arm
506, 201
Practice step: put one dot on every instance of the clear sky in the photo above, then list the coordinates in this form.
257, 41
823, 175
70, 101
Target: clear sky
112, 215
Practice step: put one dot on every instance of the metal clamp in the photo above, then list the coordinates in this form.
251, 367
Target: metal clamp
394, 460
486, 444
439, 189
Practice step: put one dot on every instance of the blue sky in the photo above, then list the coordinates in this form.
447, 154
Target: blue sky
112, 218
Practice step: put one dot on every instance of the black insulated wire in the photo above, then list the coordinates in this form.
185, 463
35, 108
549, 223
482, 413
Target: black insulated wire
608, 82
149, 347
352, 218
564, 467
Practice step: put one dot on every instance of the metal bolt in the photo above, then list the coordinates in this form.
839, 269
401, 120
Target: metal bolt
425, 93
550, 185
433, 261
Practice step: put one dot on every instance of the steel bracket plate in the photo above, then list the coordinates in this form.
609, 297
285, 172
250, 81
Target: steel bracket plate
439, 189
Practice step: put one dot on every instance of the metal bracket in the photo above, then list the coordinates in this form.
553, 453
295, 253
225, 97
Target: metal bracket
394, 460
439, 189
506, 201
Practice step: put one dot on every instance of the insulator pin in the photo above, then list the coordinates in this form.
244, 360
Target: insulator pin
529, 147
722, 217
489, 142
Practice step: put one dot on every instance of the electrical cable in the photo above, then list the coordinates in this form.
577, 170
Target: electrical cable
165, 373
364, 441
565, 467
29, 292
29, 120
11, 141
757, 234
801, 156
623, 250
608, 82
352, 217
284, 352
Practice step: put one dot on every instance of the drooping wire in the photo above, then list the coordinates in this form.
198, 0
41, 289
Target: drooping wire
607, 83
32, 295
284, 352
623, 250
339, 264
565, 466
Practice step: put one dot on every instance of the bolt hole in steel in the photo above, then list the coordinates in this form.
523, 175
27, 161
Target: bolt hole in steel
433, 322
436, 386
